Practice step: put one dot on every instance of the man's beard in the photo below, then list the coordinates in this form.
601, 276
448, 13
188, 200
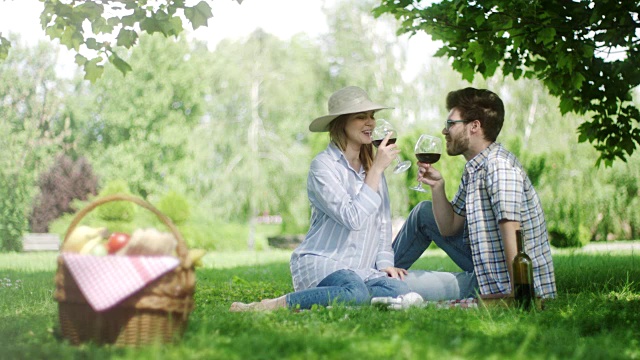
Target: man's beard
458, 145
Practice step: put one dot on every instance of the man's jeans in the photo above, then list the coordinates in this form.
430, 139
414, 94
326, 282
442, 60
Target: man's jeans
345, 286
414, 238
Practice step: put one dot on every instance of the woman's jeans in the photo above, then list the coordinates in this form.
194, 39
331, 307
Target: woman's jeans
345, 286
414, 238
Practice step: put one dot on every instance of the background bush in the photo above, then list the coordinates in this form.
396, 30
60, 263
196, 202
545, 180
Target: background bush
116, 211
66, 181
175, 206
13, 219
569, 238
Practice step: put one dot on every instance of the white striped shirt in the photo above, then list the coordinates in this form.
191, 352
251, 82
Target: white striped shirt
350, 223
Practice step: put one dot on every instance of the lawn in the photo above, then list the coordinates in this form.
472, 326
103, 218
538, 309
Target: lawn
596, 316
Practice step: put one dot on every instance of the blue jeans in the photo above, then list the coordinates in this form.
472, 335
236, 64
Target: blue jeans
345, 286
414, 238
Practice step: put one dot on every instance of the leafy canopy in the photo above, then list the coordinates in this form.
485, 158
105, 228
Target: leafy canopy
100, 27
569, 45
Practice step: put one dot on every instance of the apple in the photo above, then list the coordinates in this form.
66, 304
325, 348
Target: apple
117, 241
86, 249
99, 250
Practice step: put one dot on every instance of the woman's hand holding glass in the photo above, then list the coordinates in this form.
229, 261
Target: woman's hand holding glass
385, 153
382, 130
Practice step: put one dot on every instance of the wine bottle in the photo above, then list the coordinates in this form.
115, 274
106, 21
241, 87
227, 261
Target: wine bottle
524, 292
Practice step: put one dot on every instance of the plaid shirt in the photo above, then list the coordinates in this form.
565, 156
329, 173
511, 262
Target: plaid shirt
495, 187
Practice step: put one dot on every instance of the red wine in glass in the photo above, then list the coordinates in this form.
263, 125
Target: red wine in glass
377, 143
429, 158
428, 149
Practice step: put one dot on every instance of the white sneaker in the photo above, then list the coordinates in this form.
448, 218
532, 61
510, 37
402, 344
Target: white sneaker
401, 302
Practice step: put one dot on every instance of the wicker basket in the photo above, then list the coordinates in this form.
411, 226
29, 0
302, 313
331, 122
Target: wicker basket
157, 313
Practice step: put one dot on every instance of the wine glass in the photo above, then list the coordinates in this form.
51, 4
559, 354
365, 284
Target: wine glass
381, 130
427, 150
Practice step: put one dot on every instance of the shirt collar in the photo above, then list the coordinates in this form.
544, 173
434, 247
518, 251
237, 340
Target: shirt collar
338, 156
477, 161
334, 151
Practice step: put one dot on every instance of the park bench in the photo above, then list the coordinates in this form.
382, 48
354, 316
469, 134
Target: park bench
40, 242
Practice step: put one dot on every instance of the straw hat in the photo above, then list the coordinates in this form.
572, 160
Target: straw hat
348, 100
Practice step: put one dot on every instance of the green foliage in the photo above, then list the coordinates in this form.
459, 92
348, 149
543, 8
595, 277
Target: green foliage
224, 236
139, 127
5, 45
175, 206
563, 44
120, 19
32, 130
569, 237
220, 127
252, 108
199, 15
120, 211
13, 219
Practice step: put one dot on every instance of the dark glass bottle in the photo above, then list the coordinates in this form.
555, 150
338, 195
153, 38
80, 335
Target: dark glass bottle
524, 292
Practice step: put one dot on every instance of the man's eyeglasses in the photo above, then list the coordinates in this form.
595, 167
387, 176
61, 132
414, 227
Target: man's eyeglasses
449, 123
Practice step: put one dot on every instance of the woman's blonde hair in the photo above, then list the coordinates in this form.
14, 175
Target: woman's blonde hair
339, 137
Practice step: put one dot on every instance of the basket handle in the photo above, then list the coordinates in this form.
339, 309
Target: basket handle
181, 248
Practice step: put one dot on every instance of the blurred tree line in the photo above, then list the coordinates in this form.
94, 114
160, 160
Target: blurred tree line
225, 130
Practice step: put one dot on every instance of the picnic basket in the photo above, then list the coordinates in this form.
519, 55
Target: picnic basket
157, 313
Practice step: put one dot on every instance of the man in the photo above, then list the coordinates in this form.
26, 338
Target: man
477, 229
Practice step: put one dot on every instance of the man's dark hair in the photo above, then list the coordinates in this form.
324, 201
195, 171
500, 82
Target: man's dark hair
479, 104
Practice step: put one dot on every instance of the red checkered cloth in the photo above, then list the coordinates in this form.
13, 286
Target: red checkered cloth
107, 280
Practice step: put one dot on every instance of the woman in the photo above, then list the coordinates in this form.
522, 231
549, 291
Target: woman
346, 256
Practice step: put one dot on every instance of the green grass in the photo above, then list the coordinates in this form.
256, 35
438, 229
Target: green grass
596, 316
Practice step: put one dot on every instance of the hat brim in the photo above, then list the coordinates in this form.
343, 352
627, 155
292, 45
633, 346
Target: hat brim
321, 124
